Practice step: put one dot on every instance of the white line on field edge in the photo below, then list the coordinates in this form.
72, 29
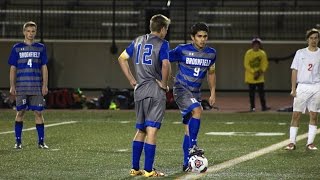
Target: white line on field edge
49, 125
238, 160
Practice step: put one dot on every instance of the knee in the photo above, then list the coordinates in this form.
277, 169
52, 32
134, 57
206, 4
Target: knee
197, 112
20, 114
38, 114
313, 118
295, 119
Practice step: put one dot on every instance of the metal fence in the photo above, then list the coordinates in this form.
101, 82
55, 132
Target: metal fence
124, 19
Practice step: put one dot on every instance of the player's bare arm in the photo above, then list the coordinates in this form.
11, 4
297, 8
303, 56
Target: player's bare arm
44, 70
166, 71
123, 61
13, 71
211, 78
293, 82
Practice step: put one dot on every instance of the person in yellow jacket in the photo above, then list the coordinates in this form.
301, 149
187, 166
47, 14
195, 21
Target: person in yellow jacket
256, 64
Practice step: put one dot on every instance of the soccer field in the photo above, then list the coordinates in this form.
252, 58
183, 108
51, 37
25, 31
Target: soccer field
97, 145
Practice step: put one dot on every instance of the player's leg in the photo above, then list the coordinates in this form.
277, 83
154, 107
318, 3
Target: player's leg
138, 140
313, 114
295, 119
299, 106
194, 126
252, 89
39, 120
154, 109
185, 144
186, 103
312, 130
21, 106
37, 104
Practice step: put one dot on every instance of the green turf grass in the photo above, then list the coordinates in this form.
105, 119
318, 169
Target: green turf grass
98, 146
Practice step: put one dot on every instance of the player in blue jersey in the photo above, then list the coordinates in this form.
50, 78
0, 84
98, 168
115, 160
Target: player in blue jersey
29, 81
195, 61
150, 56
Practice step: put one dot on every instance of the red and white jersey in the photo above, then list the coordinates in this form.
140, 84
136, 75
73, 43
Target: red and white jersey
307, 63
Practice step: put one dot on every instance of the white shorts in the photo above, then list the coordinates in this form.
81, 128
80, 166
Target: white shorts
308, 96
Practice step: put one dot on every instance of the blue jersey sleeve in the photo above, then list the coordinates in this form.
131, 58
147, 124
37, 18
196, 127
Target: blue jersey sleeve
130, 49
174, 54
164, 51
44, 58
13, 58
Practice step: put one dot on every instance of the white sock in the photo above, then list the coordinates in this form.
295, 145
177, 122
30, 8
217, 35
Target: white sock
312, 133
293, 134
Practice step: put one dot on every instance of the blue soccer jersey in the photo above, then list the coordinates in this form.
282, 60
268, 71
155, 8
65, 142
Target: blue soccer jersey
193, 65
28, 60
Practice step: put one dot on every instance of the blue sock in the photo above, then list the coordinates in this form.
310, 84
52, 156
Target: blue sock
18, 131
40, 129
149, 153
185, 147
137, 147
194, 126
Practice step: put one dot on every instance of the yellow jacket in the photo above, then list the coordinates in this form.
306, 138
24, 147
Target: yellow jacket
255, 61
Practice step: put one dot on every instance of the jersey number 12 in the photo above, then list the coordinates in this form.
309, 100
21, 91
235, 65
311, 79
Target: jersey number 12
147, 51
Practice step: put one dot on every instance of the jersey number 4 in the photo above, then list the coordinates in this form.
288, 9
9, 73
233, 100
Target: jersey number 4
147, 51
29, 63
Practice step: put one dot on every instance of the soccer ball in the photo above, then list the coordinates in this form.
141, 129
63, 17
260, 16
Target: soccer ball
198, 164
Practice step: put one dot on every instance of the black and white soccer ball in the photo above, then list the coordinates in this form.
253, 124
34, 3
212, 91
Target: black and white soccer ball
198, 164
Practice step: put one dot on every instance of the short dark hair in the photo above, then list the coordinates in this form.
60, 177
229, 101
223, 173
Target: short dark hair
312, 31
158, 21
199, 27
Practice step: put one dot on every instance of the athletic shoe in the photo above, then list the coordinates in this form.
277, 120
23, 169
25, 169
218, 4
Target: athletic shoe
195, 150
153, 173
18, 146
311, 147
186, 168
43, 146
266, 108
252, 109
290, 147
134, 172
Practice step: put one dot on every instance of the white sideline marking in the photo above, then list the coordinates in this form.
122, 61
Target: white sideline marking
123, 150
229, 123
49, 125
247, 157
177, 122
54, 149
245, 133
124, 122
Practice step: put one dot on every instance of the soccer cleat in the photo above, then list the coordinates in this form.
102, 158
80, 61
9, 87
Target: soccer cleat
195, 150
18, 146
43, 146
290, 147
186, 168
134, 172
252, 109
311, 147
153, 173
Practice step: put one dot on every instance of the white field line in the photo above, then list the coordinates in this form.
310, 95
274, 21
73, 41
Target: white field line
238, 160
49, 125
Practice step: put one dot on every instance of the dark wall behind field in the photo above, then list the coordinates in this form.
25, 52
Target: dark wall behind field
91, 65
